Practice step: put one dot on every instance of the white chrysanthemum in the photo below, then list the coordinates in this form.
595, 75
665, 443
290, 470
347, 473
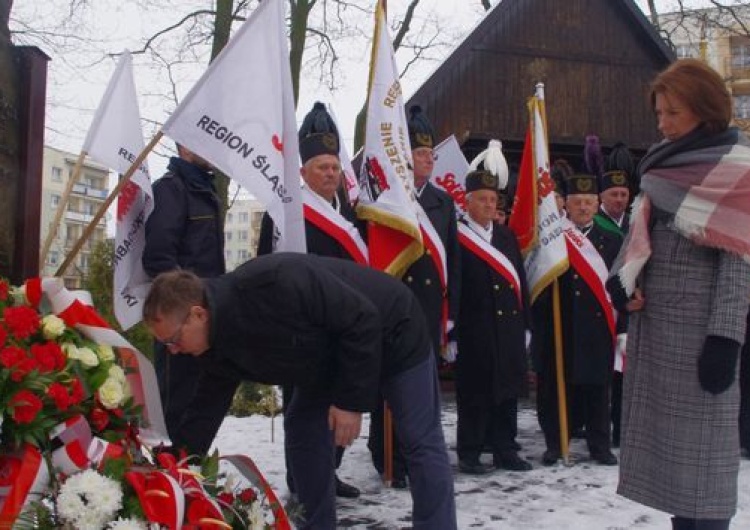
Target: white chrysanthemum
111, 393
88, 500
105, 352
52, 326
18, 293
255, 518
127, 524
87, 357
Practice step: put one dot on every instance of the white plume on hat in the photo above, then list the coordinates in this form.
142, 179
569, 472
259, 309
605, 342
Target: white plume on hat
493, 161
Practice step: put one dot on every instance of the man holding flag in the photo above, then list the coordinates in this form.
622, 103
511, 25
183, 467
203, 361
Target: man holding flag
185, 231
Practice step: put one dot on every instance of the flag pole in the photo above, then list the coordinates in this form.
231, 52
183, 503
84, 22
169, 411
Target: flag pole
562, 404
103, 208
55, 224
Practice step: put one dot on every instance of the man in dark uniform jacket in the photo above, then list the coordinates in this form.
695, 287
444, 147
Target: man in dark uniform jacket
337, 331
321, 171
423, 276
614, 196
491, 364
588, 343
185, 231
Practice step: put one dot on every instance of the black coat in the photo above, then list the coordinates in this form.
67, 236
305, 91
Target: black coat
328, 326
588, 345
492, 363
185, 230
422, 277
318, 241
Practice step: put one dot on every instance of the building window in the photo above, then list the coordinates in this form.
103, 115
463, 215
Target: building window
53, 257
229, 217
683, 51
742, 106
242, 235
741, 54
55, 200
242, 255
57, 174
244, 218
227, 236
228, 254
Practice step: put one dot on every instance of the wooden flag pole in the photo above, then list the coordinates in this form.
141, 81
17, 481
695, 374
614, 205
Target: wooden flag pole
562, 404
387, 445
103, 209
55, 224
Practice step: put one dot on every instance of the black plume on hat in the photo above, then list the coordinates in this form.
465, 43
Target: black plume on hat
620, 168
420, 129
318, 134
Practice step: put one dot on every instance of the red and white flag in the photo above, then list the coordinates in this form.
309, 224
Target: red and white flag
240, 117
387, 196
535, 220
351, 182
450, 170
115, 139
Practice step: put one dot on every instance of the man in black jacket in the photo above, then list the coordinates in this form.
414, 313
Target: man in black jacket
185, 231
339, 333
492, 327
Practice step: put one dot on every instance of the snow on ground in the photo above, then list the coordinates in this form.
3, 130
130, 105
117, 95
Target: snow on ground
581, 496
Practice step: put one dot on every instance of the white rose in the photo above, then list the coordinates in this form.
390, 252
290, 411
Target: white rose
117, 373
111, 393
87, 357
105, 352
52, 327
71, 350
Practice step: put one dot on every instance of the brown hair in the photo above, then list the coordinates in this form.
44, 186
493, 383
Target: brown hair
173, 292
701, 88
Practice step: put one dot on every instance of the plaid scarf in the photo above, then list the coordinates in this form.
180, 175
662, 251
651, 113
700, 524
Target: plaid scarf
702, 182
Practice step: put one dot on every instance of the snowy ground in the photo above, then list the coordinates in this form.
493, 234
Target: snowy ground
578, 497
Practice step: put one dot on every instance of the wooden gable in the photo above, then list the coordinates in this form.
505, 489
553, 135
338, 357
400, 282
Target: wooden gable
595, 58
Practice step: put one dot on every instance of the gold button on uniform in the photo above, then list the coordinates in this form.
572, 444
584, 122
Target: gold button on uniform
500, 312
578, 293
409, 279
497, 287
428, 282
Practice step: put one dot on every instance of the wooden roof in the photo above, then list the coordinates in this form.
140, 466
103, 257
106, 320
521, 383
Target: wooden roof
595, 58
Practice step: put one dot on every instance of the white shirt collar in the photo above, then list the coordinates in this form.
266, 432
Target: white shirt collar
619, 221
484, 233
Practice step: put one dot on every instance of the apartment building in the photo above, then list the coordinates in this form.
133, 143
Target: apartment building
88, 194
242, 230
719, 38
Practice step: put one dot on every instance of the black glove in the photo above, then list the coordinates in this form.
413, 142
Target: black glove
617, 294
717, 363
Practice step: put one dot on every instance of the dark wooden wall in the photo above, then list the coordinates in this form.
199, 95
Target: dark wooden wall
595, 57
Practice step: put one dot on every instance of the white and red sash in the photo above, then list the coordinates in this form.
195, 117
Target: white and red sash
434, 245
588, 263
321, 214
498, 261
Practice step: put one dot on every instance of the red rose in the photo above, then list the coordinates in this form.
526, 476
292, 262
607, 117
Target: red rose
4, 289
76, 391
26, 405
23, 368
49, 356
99, 419
59, 395
225, 498
11, 356
22, 321
248, 495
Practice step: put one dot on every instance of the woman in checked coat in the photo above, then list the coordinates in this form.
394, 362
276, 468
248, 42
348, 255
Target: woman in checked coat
688, 304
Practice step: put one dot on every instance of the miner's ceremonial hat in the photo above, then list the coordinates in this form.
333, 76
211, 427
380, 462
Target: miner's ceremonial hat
420, 129
318, 134
581, 184
619, 166
488, 170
